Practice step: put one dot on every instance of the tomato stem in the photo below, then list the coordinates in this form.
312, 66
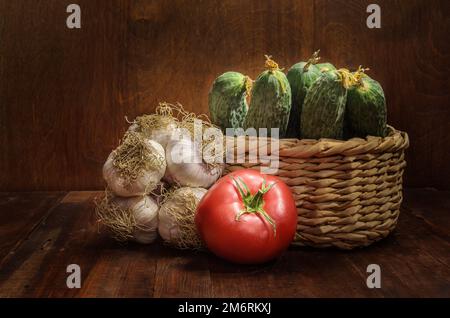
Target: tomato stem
254, 203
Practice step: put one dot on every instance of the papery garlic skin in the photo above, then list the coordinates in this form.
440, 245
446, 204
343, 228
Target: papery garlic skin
145, 183
145, 213
161, 135
186, 167
168, 227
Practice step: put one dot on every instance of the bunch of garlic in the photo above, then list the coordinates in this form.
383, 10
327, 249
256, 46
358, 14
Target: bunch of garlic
159, 150
132, 171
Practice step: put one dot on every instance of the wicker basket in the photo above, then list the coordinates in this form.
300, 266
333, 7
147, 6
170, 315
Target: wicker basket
348, 193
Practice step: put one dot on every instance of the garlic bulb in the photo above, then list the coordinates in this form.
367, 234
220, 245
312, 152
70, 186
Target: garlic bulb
135, 167
162, 133
176, 218
186, 167
133, 218
158, 126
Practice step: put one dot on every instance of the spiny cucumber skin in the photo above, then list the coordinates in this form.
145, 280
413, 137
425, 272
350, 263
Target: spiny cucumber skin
227, 100
366, 113
237, 115
300, 81
270, 103
324, 108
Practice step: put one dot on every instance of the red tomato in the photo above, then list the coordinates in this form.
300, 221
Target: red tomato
247, 217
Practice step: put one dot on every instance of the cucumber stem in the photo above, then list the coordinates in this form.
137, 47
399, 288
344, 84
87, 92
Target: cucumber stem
346, 77
313, 60
248, 84
248, 88
359, 75
270, 64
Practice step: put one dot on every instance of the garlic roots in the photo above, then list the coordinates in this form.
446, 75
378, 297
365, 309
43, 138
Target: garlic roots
176, 218
133, 218
135, 167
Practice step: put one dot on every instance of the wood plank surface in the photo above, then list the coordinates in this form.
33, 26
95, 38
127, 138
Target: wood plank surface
70, 236
182, 274
64, 92
20, 213
414, 260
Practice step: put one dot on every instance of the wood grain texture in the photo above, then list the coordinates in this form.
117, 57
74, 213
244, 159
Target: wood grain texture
64, 93
182, 274
70, 235
414, 260
61, 93
20, 213
410, 57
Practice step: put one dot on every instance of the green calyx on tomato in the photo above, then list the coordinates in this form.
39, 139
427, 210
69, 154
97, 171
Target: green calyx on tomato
254, 203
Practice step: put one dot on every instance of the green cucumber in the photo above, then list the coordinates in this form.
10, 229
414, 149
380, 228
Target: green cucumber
270, 101
366, 107
227, 100
300, 77
324, 106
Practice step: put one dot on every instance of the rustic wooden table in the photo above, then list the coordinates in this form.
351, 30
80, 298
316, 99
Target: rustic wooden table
41, 233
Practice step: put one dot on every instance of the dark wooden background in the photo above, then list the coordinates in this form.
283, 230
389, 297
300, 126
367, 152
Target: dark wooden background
64, 93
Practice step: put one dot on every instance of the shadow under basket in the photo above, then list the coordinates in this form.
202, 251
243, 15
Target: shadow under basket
348, 193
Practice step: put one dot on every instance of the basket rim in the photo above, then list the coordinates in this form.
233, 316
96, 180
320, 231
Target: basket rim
304, 148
